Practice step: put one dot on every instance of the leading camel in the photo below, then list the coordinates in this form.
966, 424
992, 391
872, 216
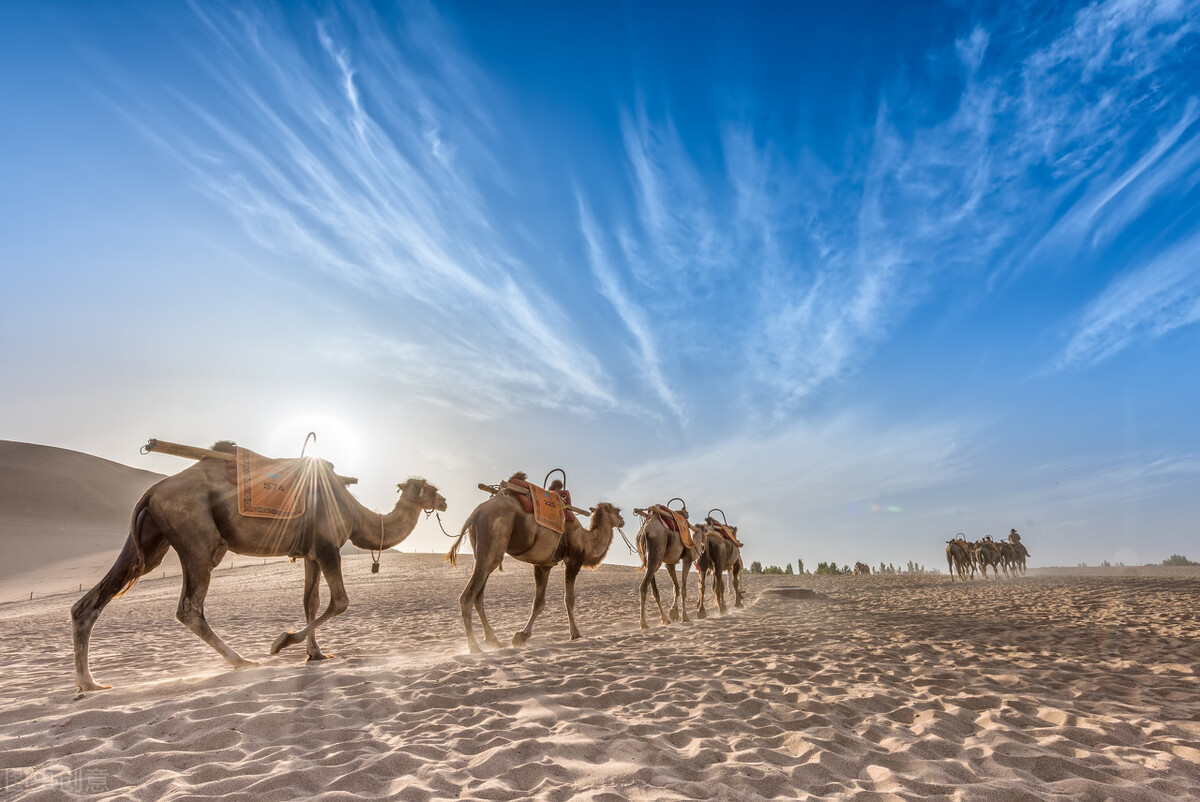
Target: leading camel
658, 544
501, 526
196, 513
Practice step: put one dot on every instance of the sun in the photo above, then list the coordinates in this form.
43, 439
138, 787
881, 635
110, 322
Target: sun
335, 440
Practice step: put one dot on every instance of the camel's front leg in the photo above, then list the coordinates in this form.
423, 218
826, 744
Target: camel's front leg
687, 565
312, 602
569, 597
647, 583
541, 576
331, 567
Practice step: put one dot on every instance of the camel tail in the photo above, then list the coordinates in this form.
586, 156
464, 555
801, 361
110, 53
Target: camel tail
134, 543
641, 544
452, 555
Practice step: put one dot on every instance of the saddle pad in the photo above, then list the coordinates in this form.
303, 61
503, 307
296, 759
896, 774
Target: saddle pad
548, 509
676, 522
270, 488
720, 530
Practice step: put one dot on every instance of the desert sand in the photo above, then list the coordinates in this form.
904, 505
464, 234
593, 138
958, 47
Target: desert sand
1073, 686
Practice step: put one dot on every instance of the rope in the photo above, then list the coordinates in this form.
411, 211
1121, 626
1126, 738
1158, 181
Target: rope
374, 554
439, 520
628, 545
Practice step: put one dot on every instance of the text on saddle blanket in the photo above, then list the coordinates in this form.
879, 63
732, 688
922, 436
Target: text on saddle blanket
676, 521
271, 488
549, 507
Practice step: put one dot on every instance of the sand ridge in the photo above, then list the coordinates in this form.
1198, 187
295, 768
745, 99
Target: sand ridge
877, 688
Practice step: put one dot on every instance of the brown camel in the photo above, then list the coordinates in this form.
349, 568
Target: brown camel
719, 554
501, 526
861, 569
985, 553
196, 513
958, 558
1021, 553
658, 544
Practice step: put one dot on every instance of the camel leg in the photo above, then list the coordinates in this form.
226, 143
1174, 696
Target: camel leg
312, 603
330, 564
85, 611
673, 614
701, 575
657, 598
196, 576
735, 575
541, 577
646, 580
489, 637
467, 601
719, 588
569, 597
687, 565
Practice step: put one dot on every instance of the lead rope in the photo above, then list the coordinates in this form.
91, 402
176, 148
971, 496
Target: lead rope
439, 517
375, 555
628, 545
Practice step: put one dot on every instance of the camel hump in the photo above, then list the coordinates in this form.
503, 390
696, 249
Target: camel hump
517, 478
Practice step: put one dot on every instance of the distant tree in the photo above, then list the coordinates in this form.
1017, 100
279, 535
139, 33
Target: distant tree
756, 567
799, 566
787, 569
882, 567
1178, 559
772, 569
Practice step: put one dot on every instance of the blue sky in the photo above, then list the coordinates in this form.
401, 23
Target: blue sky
861, 277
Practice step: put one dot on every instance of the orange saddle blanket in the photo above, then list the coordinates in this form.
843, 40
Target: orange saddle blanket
270, 488
548, 506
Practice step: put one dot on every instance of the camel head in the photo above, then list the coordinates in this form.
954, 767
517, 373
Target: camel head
422, 494
609, 513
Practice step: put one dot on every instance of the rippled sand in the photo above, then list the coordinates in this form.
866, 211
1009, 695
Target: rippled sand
1054, 686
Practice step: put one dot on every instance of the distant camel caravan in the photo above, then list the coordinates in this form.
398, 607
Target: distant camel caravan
665, 538
721, 552
964, 557
197, 513
504, 525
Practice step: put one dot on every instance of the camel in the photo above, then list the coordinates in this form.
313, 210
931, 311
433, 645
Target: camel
658, 544
1021, 553
500, 526
196, 513
986, 552
861, 569
958, 558
720, 554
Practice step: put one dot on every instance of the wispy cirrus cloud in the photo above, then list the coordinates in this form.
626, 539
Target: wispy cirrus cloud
1146, 302
366, 155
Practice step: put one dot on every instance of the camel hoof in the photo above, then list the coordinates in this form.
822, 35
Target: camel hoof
520, 639
701, 614
91, 685
283, 641
739, 605
645, 625
242, 663
575, 636
674, 615
494, 643
313, 658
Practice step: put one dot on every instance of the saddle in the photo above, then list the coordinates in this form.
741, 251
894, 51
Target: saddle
676, 521
723, 531
549, 507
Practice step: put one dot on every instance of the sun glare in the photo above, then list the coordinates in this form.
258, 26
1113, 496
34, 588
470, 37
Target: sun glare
335, 440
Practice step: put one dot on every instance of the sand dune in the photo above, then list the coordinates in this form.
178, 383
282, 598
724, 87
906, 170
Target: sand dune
908, 687
62, 513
